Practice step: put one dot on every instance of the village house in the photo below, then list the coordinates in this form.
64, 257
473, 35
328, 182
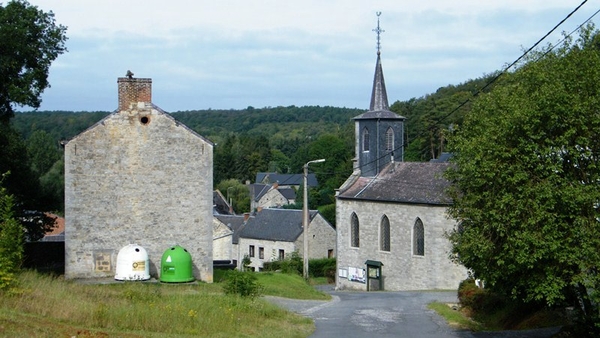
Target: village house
391, 215
274, 234
138, 176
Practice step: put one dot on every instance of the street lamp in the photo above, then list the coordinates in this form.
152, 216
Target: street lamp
305, 215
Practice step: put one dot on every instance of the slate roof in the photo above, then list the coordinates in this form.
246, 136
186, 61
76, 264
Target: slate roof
288, 193
220, 205
235, 223
379, 107
275, 225
286, 179
401, 182
258, 190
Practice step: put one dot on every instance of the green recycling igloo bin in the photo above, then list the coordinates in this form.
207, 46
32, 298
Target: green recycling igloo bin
176, 266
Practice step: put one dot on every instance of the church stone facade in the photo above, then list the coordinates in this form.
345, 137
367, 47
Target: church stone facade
137, 177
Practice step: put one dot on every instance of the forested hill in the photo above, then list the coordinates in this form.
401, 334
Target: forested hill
291, 121
427, 119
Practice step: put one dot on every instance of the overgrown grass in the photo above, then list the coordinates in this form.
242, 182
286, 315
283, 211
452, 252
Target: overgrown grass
45, 306
455, 318
289, 286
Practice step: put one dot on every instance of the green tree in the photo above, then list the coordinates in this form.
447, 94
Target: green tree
43, 152
30, 40
526, 181
11, 240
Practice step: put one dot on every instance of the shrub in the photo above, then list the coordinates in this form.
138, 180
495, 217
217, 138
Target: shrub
243, 283
322, 267
293, 264
11, 241
477, 299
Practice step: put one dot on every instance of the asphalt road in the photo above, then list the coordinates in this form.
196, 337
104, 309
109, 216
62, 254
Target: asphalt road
387, 314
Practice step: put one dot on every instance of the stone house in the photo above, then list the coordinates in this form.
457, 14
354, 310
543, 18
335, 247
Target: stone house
274, 234
226, 229
270, 196
138, 176
391, 215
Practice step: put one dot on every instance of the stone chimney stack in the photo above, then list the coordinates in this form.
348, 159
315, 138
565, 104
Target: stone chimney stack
132, 91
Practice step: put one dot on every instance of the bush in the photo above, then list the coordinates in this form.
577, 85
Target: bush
293, 264
477, 299
243, 283
322, 267
11, 241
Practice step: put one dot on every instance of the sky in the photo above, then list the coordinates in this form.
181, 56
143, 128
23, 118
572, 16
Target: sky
231, 54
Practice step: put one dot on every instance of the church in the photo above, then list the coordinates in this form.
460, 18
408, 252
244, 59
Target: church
391, 215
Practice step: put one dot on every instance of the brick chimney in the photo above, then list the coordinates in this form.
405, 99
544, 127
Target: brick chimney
132, 90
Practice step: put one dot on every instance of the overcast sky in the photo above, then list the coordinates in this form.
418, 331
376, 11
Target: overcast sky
237, 53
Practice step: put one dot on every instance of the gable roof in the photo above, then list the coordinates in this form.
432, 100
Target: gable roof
147, 106
286, 179
220, 205
235, 223
401, 182
276, 225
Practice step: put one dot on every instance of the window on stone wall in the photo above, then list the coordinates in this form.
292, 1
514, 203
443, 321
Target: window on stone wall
330, 253
389, 139
281, 254
251, 251
365, 139
384, 233
354, 231
261, 252
418, 238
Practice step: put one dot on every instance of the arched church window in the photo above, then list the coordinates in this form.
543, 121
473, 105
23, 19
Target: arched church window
365, 139
389, 139
354, 231
418, 238
384, 234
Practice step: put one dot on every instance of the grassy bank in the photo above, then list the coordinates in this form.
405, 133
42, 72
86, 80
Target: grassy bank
45, 306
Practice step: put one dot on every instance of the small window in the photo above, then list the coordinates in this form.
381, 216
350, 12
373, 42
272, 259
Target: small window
354, 231
281, 254
251, 251
261, 253
365, 139
418, 238
330, 253
384, 234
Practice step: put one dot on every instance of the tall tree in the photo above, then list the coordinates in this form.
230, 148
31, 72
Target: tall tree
30, 40
526, 182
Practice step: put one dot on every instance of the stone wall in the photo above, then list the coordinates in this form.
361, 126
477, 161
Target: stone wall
401, 269
137, 177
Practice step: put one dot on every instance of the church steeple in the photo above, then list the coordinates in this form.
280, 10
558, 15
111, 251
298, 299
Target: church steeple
379, 132
379, 99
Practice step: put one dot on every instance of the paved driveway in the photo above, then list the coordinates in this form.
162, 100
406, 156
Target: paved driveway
387, 314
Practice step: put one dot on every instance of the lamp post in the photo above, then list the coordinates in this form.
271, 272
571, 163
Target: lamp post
305, 215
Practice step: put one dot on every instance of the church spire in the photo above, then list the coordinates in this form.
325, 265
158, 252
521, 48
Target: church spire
379, 100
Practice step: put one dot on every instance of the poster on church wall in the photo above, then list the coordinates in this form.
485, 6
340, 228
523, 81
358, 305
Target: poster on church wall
356, 275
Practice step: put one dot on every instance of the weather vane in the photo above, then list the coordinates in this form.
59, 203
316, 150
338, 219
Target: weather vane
378, 30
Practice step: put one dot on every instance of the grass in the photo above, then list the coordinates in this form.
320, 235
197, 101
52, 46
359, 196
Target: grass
503, 318
46, 306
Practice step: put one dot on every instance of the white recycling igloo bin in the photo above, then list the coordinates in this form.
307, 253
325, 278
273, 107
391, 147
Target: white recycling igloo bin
133, 263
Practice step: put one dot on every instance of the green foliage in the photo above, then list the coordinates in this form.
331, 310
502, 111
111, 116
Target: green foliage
246, 261
476, 298
525, 184
11, 241
242, 283
293, 264
236, 193
31, 41
322, 267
